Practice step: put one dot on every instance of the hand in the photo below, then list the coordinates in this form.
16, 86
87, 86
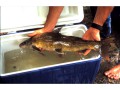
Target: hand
91, 34
36, 32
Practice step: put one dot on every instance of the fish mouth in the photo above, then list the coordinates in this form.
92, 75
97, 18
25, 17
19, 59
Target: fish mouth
22, 45
25, 43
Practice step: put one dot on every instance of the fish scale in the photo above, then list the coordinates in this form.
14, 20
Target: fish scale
53, 41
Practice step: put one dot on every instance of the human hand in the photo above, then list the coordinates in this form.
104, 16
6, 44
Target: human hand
36, 32
91, 34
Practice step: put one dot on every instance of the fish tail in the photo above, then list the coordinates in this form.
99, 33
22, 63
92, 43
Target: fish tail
105, 48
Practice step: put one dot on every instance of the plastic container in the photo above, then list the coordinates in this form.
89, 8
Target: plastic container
28, 66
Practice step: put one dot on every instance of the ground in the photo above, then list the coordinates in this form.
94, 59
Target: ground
105, 65
113, 54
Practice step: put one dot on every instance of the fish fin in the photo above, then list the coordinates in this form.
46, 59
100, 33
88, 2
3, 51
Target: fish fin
34, 47
57, 30
59, 52
105, 52
106, 45
42, 53
108, 40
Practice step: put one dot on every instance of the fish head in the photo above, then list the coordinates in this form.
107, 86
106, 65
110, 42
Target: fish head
26, 43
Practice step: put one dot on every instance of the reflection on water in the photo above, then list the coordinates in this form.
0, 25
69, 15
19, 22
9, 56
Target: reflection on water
22, 59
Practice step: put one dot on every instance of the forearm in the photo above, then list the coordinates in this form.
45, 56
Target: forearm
52, 18
102, 13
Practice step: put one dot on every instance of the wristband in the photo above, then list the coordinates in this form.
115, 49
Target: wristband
94, 25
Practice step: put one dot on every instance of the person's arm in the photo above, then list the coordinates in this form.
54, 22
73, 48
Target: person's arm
92, 33
102, 14
52, 18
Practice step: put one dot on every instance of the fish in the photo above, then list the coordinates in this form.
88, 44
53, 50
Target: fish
51, 41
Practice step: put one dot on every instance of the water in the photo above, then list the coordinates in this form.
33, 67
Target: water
22, 59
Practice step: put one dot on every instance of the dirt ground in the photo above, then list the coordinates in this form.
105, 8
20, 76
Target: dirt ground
113, 54
106, 65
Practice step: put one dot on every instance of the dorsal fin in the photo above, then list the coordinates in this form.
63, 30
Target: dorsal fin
57, 30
